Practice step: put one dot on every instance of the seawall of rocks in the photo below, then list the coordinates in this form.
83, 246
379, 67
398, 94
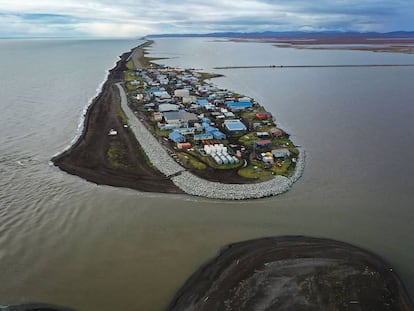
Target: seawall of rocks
197, 186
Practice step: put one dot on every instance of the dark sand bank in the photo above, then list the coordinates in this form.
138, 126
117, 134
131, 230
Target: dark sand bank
88, 157
293, 273
375, 42
34, 307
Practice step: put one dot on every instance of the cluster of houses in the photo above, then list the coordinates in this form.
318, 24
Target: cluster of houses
199, 116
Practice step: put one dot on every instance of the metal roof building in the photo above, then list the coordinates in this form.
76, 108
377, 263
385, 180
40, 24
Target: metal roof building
239, 105
235, 126
176, 137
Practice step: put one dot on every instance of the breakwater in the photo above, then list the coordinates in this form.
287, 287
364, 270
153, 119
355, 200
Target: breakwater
314, 66
191, 184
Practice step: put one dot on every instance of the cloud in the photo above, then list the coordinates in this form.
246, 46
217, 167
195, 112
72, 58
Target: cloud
126, 18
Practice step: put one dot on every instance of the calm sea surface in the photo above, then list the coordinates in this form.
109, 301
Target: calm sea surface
69, 242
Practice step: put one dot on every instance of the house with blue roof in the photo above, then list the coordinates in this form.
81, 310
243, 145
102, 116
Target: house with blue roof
206, 136
176, 137
219, 135
239, 105
202, 101
208, 128
235, 126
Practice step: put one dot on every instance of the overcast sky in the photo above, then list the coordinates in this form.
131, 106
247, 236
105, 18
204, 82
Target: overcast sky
135, 18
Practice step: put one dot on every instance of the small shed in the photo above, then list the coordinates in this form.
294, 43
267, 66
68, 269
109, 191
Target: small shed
157, 116
263, 143
264, 115
219, 135
275, 132
202, 101
208, 128
176, 137
262, 134
229, 114
281, 153
149, 106
184, 146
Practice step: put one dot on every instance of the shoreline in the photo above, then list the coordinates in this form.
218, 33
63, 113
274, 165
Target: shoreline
377, 43
87, 157
283, 273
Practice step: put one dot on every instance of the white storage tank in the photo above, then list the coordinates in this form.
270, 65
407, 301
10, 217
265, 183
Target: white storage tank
224, 159
218, 160
229, 158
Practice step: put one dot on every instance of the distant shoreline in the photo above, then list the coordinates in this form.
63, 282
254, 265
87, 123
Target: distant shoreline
386, 43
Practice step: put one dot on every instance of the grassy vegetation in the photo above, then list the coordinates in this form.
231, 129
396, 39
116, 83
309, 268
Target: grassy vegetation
256, 171
131, 88
117, 154
121, 114
249, 139
207, 75
161, 133
130, 76
284, 169
130, 65
191, 161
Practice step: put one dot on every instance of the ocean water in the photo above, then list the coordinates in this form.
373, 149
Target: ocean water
69, 242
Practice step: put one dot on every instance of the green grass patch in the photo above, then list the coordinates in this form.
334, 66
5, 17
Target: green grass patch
162, 133
117, 154
249, 139
121, 114
131, 75
255, 171
131, 88
207, 75
191, 161
130, 65
284, 170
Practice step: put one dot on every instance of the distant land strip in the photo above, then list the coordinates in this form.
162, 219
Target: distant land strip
315, 66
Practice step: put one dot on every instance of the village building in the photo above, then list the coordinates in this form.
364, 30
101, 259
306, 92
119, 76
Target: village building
235, 126
281, 153
235, 106
168, 107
